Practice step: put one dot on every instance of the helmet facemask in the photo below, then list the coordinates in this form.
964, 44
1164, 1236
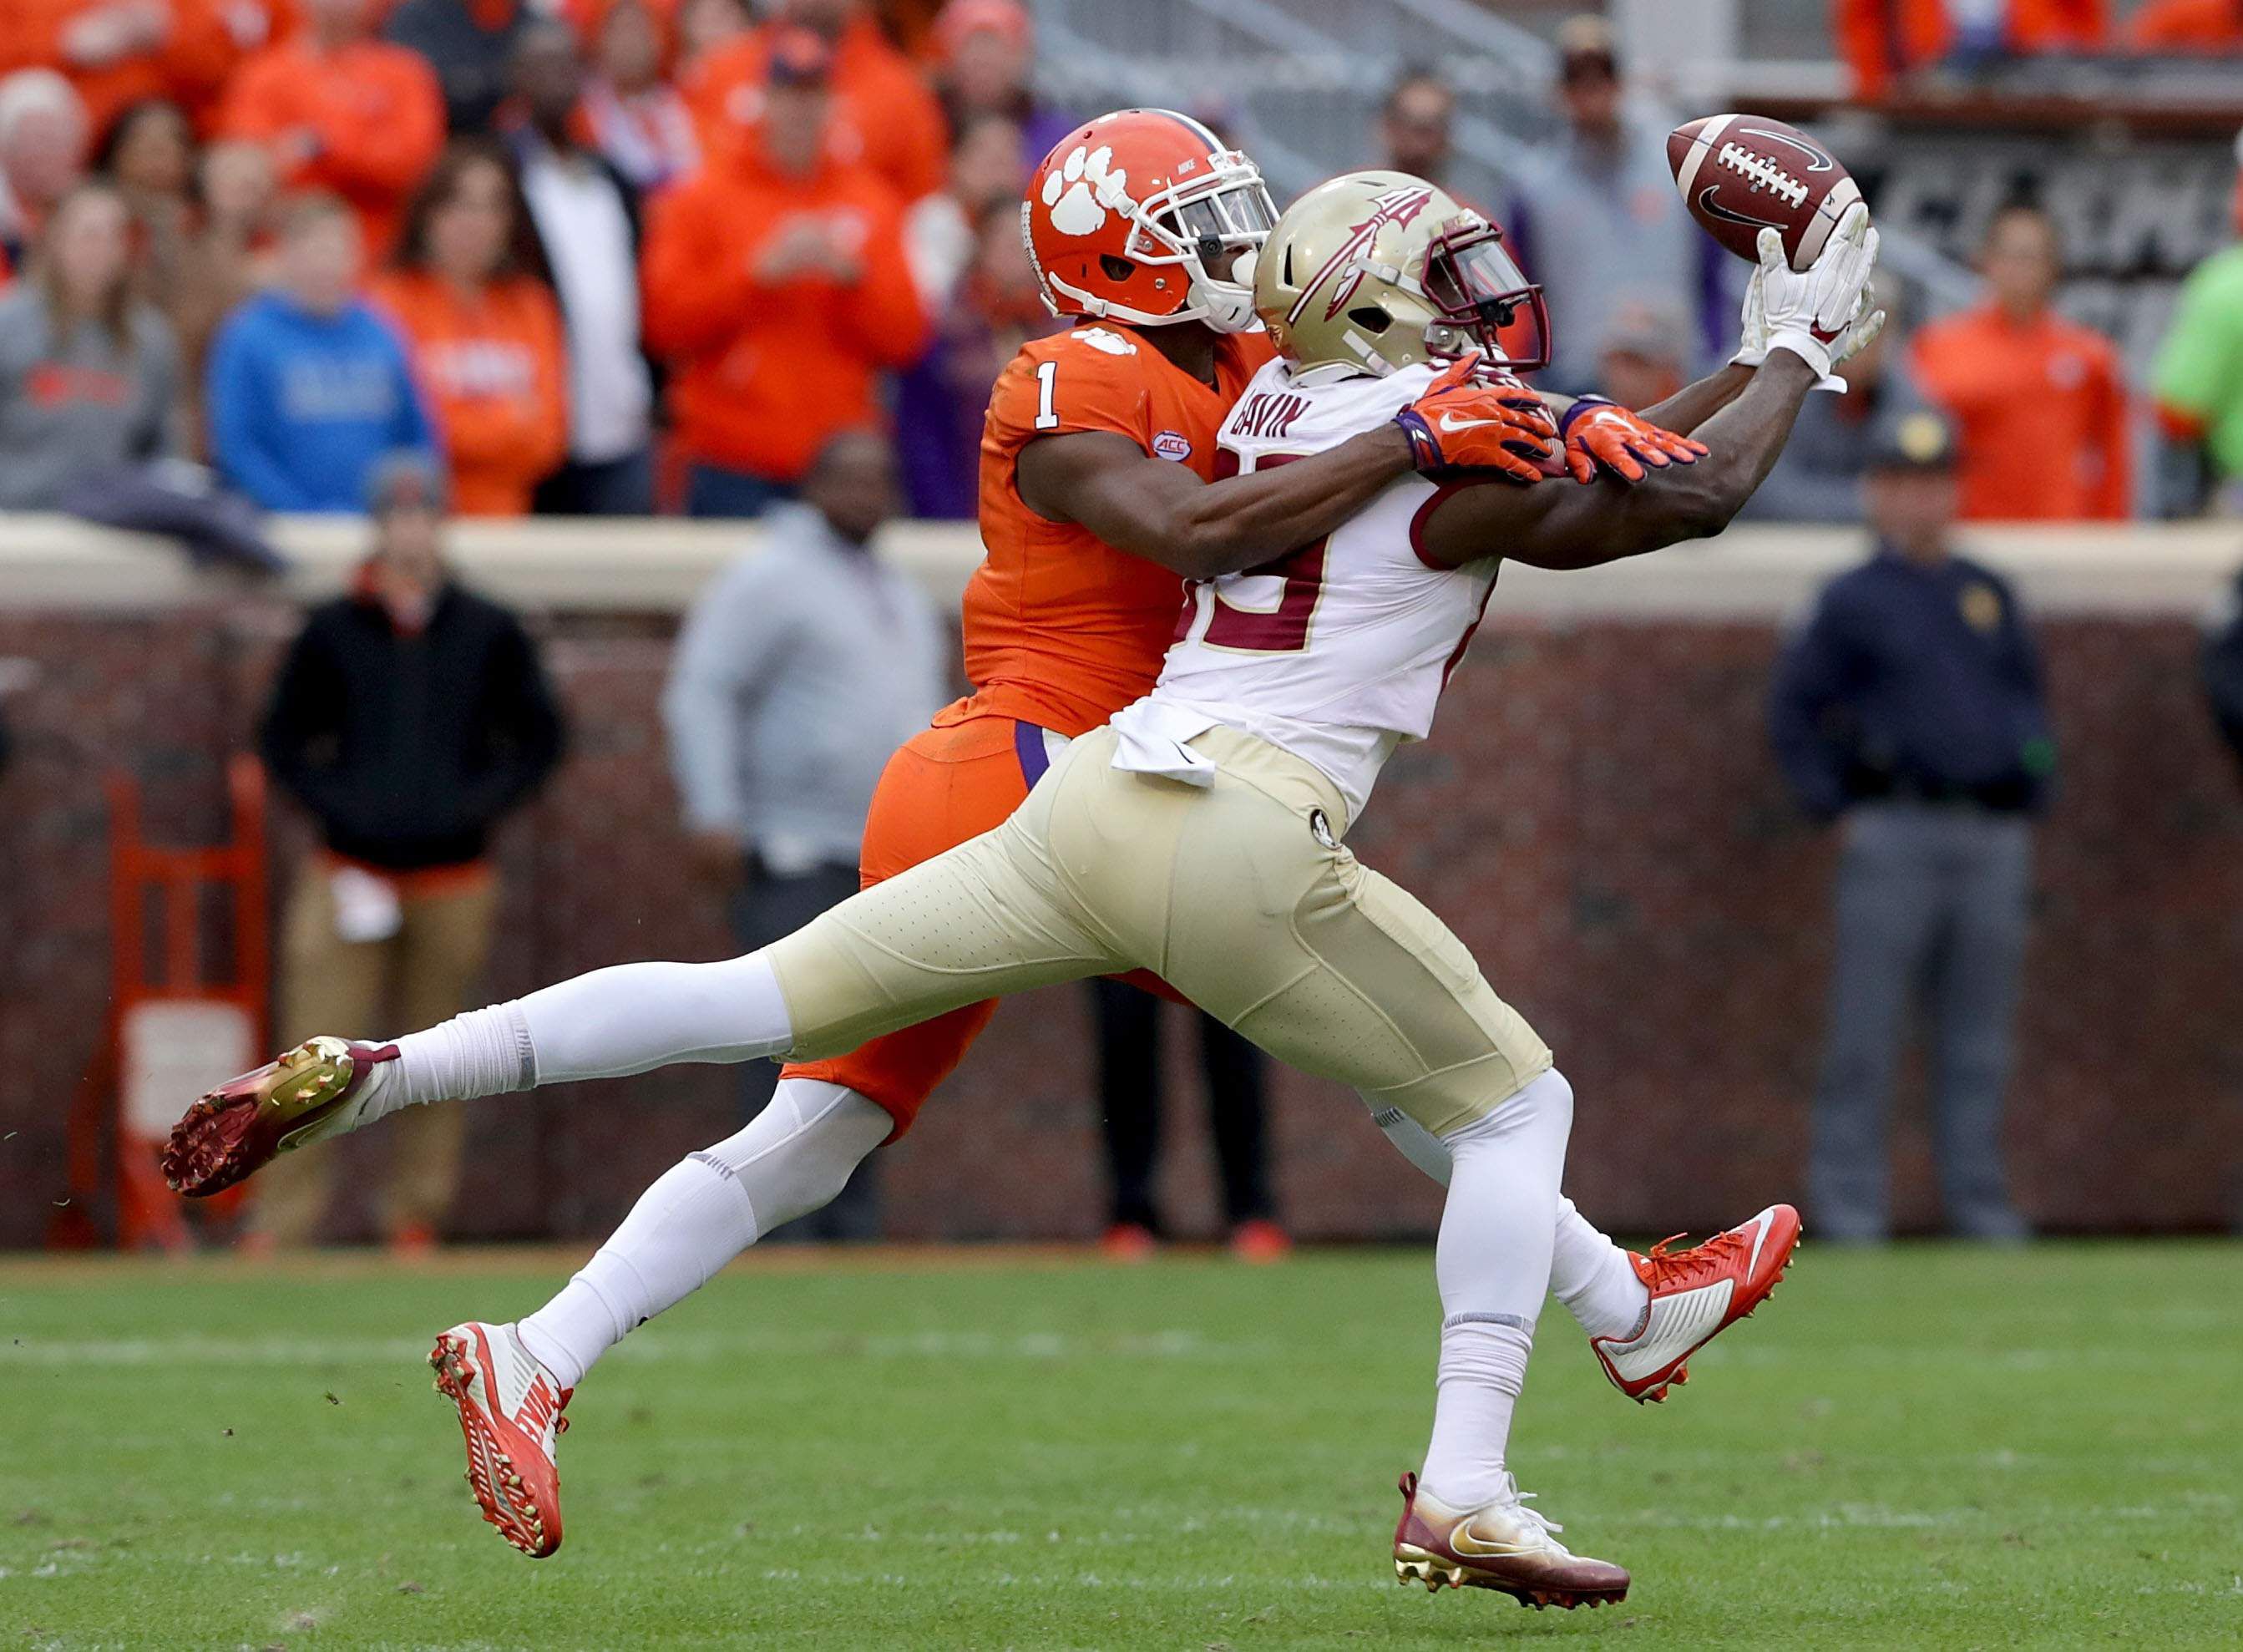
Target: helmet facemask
1193, 226
1481, 299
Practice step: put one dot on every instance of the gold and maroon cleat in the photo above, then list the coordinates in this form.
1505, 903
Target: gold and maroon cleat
237, 1129
1504, 1546
1695, 1295
510, 1413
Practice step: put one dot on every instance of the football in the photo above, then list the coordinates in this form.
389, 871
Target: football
1741, 173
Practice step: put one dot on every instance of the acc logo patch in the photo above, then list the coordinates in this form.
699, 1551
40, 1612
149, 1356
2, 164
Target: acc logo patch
1099, 338
1172, 444
1982, 607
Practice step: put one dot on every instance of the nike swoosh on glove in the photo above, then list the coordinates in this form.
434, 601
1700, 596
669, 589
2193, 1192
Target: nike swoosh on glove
1477, 417
1599, 431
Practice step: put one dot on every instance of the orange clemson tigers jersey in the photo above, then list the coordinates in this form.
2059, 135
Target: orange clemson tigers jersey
1062, 630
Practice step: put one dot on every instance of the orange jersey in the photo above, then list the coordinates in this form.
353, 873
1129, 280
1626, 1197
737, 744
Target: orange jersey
764, 371
1062, 630
366, 121
492, 369
2041, 408
885, 115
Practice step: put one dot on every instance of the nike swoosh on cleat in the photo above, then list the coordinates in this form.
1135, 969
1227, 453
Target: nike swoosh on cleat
1759, 1239
1468, 1546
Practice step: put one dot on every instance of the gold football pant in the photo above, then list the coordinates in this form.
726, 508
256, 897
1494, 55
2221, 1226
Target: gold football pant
1238, 894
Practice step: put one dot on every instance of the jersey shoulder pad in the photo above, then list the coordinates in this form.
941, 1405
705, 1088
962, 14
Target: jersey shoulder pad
1087, 378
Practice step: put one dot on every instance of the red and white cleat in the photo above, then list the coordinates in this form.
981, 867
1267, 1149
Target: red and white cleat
1695, 1295
315, 1090
1505, 1546
510, 1411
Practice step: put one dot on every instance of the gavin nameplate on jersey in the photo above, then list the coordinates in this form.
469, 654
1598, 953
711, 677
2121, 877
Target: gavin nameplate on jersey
1335, 652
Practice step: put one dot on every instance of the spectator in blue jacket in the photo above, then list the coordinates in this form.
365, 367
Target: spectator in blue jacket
308, 387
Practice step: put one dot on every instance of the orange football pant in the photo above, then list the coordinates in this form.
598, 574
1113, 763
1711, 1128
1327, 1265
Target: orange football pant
952, 782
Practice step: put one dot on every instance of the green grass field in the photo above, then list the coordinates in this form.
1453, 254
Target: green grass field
1928, 1447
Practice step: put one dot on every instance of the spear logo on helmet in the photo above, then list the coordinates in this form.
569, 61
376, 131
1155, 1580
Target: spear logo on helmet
1395, 207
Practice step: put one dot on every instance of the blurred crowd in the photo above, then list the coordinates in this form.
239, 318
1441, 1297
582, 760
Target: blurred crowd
611, 257
1889, 43
621, 256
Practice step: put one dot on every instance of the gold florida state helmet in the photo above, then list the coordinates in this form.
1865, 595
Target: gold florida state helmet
1379, 270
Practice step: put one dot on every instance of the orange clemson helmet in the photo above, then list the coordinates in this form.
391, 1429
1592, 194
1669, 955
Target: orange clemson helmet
1132, 215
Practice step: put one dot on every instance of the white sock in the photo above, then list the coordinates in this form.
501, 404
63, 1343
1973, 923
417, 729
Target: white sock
794, 1157
1590, 1274
1483, 1368
608, 1024
1492, 1263
1593, 1277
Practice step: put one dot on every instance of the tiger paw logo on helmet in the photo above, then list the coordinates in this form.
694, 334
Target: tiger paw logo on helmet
1084, 187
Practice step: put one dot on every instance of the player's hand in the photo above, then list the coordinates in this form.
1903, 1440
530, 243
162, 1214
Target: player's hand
1752, 331
1476, 417
1599, 431
1811, 314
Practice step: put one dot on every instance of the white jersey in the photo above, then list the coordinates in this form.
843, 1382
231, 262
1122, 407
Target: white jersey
1337, 652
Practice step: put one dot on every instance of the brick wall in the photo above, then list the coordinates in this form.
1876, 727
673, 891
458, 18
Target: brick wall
1596, 816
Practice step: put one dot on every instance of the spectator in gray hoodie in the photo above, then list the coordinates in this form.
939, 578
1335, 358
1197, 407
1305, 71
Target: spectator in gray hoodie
799, 670
89, 374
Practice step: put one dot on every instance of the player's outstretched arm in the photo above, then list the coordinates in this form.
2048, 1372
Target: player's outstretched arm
1689, 407
1583, 527
1809, 316
1160, 510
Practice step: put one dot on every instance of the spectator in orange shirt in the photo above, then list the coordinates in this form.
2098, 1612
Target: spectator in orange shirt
482, 330
1885, 40
884, 113
778, 288
2040, 398
2179, 27
43, 134
344, 112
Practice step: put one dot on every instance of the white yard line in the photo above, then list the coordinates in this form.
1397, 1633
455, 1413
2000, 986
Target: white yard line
970, 1346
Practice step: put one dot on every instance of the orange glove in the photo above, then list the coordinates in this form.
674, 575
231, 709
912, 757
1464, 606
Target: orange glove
1599, 431
1476, 417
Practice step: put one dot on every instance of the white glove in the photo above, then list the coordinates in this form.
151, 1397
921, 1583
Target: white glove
1752, 327
1822, 315
1752, 336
